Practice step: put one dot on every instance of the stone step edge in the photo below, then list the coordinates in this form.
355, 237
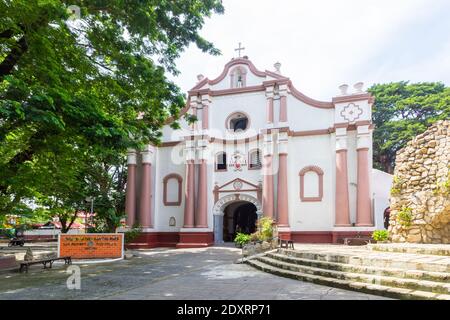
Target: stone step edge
354, 286
365, 260
413, 250
430, 285
407, 273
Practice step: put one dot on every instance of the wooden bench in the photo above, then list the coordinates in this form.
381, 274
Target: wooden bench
286, 244
44, 262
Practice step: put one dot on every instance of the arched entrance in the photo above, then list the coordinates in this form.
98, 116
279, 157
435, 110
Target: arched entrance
244, 206
239, 216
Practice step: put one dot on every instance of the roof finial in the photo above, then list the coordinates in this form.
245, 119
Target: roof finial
277, 66
239, 49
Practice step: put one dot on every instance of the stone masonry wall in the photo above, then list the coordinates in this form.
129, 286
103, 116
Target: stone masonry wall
420, 196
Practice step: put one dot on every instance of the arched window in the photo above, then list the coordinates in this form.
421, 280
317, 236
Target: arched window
221, 161
254, 159
237, 122
172, 189
238, 77
311, 184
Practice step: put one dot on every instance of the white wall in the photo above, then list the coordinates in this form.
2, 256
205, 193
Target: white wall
382, 183
162, 213
303, 152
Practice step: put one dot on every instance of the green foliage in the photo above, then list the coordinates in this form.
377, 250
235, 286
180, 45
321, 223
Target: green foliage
71, 93
265, 228
132, 234
242, 239
400, 112
404, 216
396, 186
443, 188
380, 235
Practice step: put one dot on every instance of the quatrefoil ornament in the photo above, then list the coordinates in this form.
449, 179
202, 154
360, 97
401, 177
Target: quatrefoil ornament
351, 112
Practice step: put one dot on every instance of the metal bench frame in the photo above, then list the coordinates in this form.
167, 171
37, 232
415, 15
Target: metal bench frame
45, 262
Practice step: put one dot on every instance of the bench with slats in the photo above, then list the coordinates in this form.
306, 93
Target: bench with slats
47, 263
286, 244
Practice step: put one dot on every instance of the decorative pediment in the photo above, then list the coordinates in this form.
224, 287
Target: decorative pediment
237, 185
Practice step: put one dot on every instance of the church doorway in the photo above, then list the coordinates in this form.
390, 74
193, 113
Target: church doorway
239, 216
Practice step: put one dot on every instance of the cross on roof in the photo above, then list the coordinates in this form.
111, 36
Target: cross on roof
239, 49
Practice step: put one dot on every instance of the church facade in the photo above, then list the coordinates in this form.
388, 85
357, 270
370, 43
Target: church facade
259, 147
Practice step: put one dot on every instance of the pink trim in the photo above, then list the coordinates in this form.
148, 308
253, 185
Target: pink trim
189, 195
282, 203
353, 97
235, 141
269, 110
364, 207
315, 103
233, 62
130, 197
275, 75
283, 109
201, 216
342, 202
145, 208
302, 173
268, 205
165, 181
310, 132
195, 239
234, 180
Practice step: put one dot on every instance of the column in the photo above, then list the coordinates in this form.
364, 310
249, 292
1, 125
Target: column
267, 204
189, 189
283, 104
269, 106
282, 203
342, 202
363, 202
130, 196
145, 208
206, 100
201, 214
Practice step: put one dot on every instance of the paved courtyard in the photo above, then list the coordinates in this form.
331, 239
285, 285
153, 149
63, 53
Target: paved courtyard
209, 273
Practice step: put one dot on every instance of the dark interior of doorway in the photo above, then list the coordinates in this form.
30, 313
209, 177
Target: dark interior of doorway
240, 219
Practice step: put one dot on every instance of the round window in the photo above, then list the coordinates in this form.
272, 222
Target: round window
238, 122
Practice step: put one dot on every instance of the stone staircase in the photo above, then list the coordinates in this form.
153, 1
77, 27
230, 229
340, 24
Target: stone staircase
396, 275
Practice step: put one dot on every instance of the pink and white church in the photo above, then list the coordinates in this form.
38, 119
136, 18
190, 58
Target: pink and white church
259, 147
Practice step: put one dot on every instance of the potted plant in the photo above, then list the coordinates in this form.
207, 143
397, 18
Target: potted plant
241, 239
380, 236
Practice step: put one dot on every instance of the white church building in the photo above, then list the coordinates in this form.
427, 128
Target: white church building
259, 147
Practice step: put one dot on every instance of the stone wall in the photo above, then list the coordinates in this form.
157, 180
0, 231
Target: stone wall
420, 196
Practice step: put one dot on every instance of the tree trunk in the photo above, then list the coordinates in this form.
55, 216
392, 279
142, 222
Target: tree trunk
10, 61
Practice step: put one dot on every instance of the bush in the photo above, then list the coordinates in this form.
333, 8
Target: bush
132, 234
241, 239
265, 228
380, 235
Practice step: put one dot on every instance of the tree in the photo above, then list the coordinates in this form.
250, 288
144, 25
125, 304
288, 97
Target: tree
84, 83
402, 111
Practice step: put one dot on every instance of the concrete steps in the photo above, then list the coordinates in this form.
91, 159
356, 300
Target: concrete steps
393, 272
429, 249
384, 260
389, 276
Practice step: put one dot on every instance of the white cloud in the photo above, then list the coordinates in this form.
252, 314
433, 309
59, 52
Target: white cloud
322, 44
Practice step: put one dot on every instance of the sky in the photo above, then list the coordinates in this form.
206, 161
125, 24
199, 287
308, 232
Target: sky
322, 44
